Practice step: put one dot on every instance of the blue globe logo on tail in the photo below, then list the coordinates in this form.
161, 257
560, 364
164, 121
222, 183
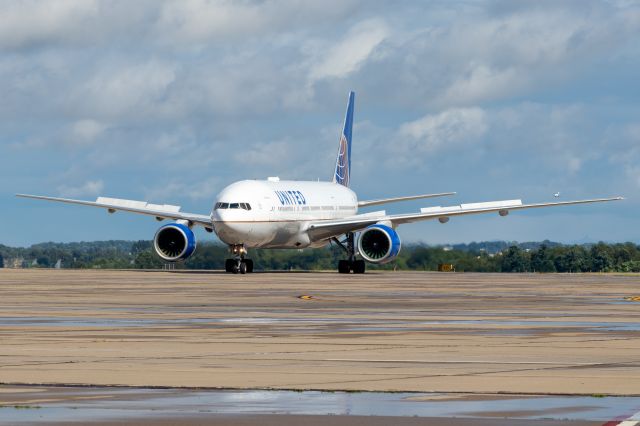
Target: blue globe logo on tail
343, 162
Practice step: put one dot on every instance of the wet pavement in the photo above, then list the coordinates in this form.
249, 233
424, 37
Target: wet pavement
37, 405
315, 324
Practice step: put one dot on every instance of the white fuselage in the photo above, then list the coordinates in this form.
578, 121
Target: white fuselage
276, 214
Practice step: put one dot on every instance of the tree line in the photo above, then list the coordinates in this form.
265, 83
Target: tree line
494, 256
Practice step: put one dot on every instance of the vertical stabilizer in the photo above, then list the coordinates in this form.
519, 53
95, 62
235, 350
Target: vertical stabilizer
343, 162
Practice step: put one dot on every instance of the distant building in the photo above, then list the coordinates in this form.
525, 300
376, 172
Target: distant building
15, 263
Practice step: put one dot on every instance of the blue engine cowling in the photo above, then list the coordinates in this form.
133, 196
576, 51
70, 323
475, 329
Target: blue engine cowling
379, 244
174, 242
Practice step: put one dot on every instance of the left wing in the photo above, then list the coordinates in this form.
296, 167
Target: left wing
367, 203
159, 211
330, 228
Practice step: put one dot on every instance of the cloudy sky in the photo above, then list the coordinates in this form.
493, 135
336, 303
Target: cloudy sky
169, 101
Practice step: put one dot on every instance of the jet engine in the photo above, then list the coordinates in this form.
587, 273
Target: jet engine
174, 242
379, 244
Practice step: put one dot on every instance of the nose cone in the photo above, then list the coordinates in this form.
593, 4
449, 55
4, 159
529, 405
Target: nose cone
233, 232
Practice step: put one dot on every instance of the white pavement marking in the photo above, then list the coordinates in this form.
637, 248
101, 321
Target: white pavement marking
422, 361
631, 421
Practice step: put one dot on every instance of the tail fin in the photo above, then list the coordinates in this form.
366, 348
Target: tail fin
343, 162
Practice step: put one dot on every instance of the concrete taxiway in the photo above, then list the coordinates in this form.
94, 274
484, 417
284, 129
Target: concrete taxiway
519, 334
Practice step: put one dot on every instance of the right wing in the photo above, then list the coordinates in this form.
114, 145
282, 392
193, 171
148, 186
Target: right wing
159, 211
367, 203
331, 228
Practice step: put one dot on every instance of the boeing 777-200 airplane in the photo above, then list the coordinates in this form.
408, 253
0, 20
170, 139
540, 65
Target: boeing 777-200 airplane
275, 213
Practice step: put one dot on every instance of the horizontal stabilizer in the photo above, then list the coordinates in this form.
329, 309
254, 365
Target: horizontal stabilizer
407, 198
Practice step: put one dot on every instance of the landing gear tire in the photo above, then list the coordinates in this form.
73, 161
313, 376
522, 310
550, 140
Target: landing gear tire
348, 245
358, 266
238, 264
234, 266
344, 267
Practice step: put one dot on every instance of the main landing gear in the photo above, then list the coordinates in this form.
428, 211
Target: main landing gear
238, 265
351, 264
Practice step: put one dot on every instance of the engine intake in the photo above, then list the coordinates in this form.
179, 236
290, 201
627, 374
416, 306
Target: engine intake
379, 244
174, 242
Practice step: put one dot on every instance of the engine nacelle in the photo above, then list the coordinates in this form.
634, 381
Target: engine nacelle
174, 242
379, 244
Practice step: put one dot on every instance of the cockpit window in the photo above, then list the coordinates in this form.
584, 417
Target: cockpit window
244, 206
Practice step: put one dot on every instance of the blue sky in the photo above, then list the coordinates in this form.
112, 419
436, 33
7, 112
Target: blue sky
169, 101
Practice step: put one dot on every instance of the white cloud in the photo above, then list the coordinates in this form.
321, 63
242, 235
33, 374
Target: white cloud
351, 52
203, 22
622, 144
446, 130
86, 131
197, 20
497, 51
202, 190
128, 91
482, 83
89, 188
31, 22
265, 154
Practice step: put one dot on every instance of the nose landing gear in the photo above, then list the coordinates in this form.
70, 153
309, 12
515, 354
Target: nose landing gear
350, 264
238, 265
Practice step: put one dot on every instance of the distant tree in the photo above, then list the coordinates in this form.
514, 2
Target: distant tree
1, 261
140, 246
624, 253
421, 258
148, 260
601, 257
541, 260
474, 257
208, 256
43, 261
571, 259
630, 266
515, 260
